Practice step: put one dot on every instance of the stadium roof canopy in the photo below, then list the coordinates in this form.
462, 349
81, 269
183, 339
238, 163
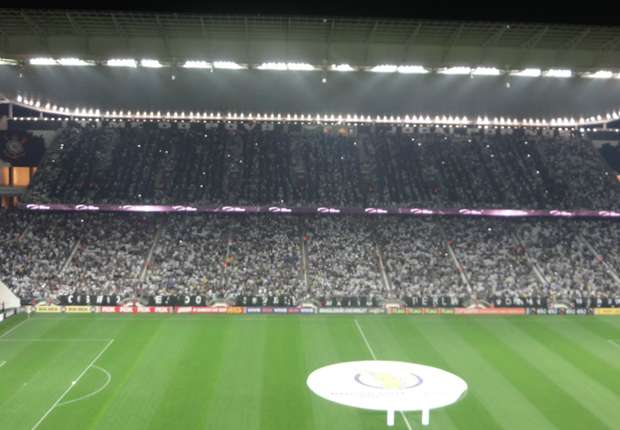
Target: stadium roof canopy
362, 42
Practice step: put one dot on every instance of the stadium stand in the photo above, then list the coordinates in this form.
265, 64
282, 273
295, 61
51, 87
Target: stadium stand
297, 165
282, 259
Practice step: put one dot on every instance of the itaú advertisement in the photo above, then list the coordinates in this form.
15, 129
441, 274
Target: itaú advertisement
607, 311
48, 309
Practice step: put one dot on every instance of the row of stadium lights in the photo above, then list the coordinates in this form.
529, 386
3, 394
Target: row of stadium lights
486, 127
382, 68
349, 118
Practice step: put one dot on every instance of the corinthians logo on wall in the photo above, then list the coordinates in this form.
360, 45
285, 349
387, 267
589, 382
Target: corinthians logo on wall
388, 380
14, 149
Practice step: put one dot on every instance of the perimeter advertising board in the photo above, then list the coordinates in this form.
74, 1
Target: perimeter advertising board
607, 311
48, 309
78, 309
343, 310
489, 311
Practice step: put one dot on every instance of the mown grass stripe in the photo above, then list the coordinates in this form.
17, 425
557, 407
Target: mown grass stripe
323, 347
507, 354
406, 335
511, 407
587, 336
577, 351
131, 349
552, 357
284, 388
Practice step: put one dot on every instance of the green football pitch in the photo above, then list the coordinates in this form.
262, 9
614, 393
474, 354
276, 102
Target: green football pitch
249, 372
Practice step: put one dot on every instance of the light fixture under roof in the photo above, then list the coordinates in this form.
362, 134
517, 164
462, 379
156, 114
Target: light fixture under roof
486, 71
601, 74
457, 70
196, 64
530, 72
558, 73
122, 62
300, 66
384, 68
72, 61
341, 68
272, 66
7, 62
228, 65
413, 69
152, 64
42, 61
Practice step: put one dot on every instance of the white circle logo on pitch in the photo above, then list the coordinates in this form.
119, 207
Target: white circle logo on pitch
388, 380
387, 386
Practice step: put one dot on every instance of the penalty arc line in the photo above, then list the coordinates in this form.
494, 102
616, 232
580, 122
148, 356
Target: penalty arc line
92, 363
94, 393
374, 357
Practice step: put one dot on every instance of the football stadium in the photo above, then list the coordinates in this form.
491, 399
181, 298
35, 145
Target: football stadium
281, 222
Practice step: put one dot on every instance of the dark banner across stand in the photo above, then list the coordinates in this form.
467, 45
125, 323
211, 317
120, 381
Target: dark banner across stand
533, 302
502, 213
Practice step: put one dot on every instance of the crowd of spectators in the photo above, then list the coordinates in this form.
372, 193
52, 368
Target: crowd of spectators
303, 165
222, 257
46, 255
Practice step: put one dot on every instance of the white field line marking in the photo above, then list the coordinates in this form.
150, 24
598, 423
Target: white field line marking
2, 363
192, 317
359, 328
43, 339
103, 387
614, 342
6, 333
72, 384
374, 357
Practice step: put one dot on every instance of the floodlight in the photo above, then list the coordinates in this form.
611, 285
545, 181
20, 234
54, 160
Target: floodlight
341, 68
229, 65
384, 68
458, 70
412, 69
272, 66
486, 71
601, 74
71, 61
300, 66
42, 61
533, 73
152, 64
122, 62
193, 64
558, 73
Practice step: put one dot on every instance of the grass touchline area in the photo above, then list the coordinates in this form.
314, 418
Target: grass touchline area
218, 371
